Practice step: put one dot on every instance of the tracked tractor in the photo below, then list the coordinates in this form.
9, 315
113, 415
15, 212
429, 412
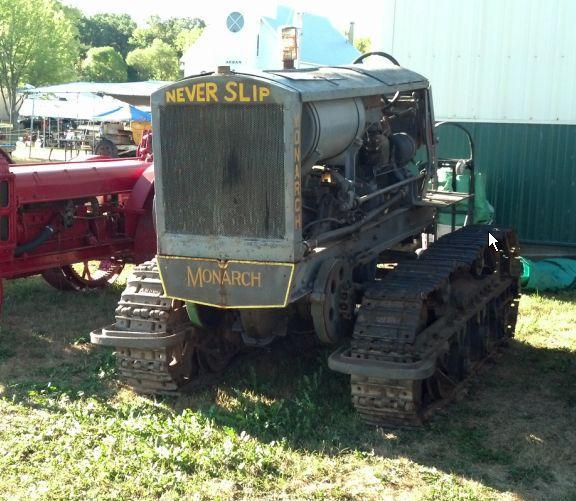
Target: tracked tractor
305, 198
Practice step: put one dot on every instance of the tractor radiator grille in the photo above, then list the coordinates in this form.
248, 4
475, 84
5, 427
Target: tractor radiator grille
223, 170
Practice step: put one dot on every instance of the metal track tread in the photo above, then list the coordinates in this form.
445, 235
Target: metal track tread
455, 304
158, 350
145, 310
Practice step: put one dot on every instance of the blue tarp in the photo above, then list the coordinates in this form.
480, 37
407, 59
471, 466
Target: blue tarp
124, 113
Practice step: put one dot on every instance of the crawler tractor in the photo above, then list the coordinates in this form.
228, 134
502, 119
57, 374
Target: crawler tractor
295, 198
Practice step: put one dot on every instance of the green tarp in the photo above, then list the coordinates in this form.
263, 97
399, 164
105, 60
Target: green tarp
549, 274
483, 211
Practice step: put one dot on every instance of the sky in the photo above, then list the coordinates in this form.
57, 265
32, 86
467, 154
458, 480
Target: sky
367, 19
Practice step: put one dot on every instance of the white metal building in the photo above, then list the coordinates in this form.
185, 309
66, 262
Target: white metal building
489, 60
506, 70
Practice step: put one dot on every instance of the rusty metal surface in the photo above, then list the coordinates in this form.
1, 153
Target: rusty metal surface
85, 276
453, 306
226, 283
445, 312
149, 334
158, 351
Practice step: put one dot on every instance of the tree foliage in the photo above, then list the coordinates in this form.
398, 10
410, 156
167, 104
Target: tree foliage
41, 40
107, 30
38, 45
104, 64
159, 61
186, 38
175, 32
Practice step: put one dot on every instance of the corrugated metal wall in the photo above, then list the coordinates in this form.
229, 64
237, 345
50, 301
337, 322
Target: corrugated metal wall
530, 174
489, 60
505, 69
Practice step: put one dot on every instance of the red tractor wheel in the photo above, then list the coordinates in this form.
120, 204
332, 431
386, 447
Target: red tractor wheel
85, 275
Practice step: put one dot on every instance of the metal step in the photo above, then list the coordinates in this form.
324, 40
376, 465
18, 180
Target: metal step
442, 198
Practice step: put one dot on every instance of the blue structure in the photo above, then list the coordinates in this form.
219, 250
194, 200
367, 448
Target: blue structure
249, 38
321, 44
125, 113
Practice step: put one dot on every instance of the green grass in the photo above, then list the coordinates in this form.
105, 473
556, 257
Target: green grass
279, 425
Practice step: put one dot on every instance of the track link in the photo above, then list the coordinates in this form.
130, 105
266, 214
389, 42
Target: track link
453, 307
145, 311
158, 350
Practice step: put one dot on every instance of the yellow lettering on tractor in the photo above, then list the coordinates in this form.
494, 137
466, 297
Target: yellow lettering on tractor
200, 96
200, 276
231, 93
206, 277
191, 93
246, 279
263, 93
243, 98
256, 280
171, 96
297, 178
194, 278
209, 92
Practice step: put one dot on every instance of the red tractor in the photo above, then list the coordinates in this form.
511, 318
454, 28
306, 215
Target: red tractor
76, 223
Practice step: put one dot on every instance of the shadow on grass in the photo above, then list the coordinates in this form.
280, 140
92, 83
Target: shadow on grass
503, 433
44, 341
512, 431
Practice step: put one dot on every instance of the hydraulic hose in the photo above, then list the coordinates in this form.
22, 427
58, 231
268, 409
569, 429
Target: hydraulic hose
38, 240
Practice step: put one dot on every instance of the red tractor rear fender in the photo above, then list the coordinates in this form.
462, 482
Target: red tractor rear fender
140, 217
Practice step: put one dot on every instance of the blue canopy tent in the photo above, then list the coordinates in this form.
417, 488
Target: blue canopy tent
124, 113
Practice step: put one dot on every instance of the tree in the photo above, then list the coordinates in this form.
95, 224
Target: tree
159, 61
107, 30
104, 64
168, 31
187, 38
38, 45
363, 44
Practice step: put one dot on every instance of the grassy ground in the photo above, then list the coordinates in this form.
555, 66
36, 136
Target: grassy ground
280, 426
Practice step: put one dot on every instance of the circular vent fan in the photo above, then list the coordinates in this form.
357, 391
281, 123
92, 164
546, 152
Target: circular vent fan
235, 22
